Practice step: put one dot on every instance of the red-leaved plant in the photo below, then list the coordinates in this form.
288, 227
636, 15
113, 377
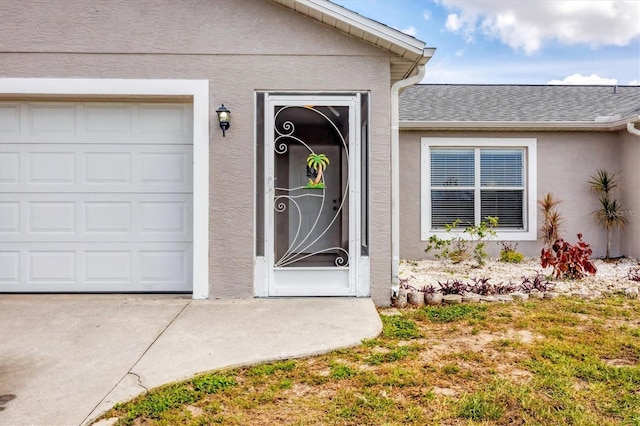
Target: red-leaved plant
568, 261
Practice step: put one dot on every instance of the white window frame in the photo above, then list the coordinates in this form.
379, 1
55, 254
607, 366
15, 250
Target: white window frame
197, 91
529, 233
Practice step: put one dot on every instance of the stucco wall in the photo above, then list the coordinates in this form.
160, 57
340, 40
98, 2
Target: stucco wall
630, 193
241, 47
565, 161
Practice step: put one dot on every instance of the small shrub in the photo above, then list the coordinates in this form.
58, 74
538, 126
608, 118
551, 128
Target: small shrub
511, 257
429, 289
509, 254
568, 261
453, 286
536, 283
505, 288
482, 287
466, 243
404, 283
634, 274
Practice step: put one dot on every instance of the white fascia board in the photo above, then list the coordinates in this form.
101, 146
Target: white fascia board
622, 123
414, 48
515, 125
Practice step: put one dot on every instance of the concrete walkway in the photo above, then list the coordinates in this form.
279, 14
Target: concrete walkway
65, 359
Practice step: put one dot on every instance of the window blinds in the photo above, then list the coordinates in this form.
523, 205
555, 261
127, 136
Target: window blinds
472, 183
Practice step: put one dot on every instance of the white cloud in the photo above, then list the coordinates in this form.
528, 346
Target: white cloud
634, 83
411, 30
454, 23
593, 79
462, 24
426, 15
527, 25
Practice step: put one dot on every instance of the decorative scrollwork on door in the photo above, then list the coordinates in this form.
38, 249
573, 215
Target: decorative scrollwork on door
307, 240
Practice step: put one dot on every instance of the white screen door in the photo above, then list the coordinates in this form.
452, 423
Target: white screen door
312, 197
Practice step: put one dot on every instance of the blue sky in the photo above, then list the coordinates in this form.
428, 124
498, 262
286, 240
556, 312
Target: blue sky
519, 41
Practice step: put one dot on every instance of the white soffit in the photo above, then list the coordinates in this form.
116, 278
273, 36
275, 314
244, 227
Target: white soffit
411, 50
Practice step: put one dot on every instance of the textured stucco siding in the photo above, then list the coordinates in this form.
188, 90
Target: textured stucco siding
565, 161
196, 27
630, 193
241, 47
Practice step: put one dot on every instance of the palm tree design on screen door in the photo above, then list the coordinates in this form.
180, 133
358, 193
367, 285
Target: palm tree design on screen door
317, 162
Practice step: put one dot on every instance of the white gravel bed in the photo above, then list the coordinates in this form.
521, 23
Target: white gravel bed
610, 278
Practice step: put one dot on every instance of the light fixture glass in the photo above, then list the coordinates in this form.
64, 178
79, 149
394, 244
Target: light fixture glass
224, 116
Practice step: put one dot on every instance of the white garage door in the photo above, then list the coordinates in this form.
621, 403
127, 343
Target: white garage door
95, 197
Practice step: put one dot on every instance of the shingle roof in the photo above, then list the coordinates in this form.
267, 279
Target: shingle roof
517, 103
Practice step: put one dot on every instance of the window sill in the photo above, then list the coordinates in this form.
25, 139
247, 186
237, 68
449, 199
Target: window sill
500, 235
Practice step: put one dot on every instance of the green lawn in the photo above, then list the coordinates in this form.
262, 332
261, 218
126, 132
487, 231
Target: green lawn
548, 362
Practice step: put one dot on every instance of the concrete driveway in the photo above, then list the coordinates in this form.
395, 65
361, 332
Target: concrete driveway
65, 359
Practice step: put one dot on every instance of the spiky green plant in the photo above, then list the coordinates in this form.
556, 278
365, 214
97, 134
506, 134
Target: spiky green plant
604, 181
610, 214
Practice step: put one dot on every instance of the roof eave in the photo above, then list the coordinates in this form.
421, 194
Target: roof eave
622, 123
514, 125
413, 47
396, 42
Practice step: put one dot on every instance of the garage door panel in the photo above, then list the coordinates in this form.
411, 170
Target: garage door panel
9, 268
54, 266
10, 119
107, 167
95, 267
96, 217
9, 167
94, 123
52, 120
107, 217
108, 267
51, 217
9, 217
51, 167
164, 119
164, 217
96, 197
163, 266
114, 120
95, 168
163, 167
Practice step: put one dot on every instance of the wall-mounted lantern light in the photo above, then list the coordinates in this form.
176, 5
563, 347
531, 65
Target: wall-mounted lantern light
224, 118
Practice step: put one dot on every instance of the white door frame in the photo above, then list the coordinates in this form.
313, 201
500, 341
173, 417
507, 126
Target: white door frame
198, 91
337, 281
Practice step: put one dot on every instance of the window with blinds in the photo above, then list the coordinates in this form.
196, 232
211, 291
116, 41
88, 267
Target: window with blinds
472, 183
